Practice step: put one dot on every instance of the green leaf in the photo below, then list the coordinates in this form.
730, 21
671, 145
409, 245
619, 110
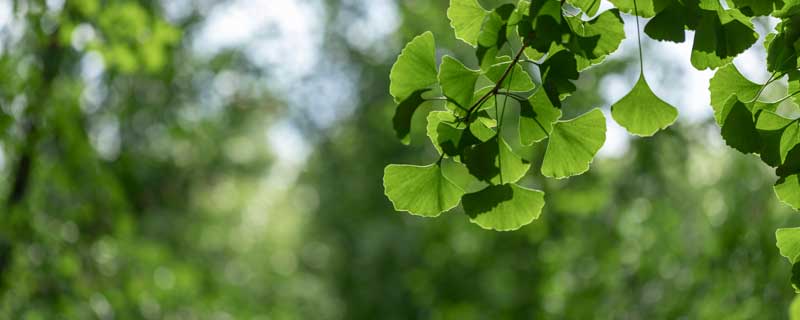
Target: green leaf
726, 82
641, 112
520, 80
592, 41
494, 34
788, 190
720, 36
589, 7
669, 24
434, 119
420, 190
789, 139
756, 7
415, 68
495, 162
405, 113
573, 145
536, 118
646, 7
466, 18
788, 242
739, 128
558, 72
503, 207
457, 81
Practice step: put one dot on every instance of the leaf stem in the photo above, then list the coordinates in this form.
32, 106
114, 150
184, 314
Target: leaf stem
638, 37
499, 83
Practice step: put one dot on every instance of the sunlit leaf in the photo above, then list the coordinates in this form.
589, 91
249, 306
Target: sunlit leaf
503, 207
466, 18
420, 190
643, 113
536, 118
573, 145
457, 81
415, 68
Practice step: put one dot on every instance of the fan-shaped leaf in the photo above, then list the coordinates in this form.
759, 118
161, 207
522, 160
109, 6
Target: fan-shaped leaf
573, 145
415, 68
466, 18
420, 190
503, 207
788, 190
457, 81
643, 113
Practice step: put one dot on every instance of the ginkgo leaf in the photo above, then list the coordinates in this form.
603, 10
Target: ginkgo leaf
536, 118
756, 7
466, 18
592, 41
589, 7
738, 127
646, 8
788, 190
415, 68
720, 36
420, 190
669, 24
494, 34
788, 243
405, 113
726, 82
434, 119
643, 113
495, 162
573, 145
457, 81
520, 81
558, 72
789, 139
503, 207
771, 126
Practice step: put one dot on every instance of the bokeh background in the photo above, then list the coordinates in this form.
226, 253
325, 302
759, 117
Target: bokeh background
200, 159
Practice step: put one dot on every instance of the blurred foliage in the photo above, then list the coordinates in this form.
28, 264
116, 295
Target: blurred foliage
151, 194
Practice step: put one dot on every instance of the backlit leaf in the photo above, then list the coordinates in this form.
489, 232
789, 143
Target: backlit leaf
503, 207
420, 190
643, 113
573, 145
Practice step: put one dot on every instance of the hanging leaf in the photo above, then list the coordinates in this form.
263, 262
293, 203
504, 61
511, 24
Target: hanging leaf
503, 207
420, 190
643, 113
573, 145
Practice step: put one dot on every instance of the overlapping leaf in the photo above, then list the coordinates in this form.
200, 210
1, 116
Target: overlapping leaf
466, 18
536, 118
410, 77
573, 145
503, 207
420, 190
